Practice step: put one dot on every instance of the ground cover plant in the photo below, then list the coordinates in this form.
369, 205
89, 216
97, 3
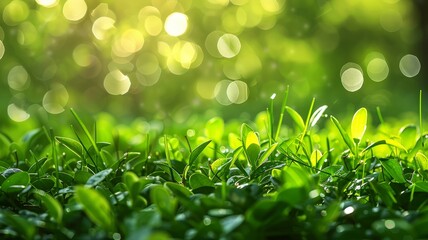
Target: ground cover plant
283, 175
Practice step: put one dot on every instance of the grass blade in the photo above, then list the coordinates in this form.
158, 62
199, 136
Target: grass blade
344, 134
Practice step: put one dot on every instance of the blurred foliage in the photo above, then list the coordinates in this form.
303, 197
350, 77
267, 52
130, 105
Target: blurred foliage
167, 59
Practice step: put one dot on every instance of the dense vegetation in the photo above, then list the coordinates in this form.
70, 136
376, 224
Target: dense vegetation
146, 119
277, 177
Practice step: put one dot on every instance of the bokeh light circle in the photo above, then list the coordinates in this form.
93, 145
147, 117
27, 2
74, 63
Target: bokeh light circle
15, 12
176, 24
47, 3
116, 83
237, 92
410, 65
228, 45
220, 92
16, 113
352, 77
18, 78
1, 49
55, 99
377, 69
74, 10
102, 26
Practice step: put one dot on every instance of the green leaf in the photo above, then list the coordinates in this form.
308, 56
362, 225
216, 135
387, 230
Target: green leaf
295, 177
394, 169
45, 184
359, 124
385, 192
96, 207
296, 118
317, 115
73, 145
252, 148
197, 151
22, 226
234, 141
221, 166
389, 142
16, 182
267, 153
178, 190
198, 180
97, 178
421, 161
164, 201
408, 136
344, 134
315, 157
230, 223
52, 205
421, 186
214, 129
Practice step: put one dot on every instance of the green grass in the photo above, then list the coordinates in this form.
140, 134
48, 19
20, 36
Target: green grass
277, 177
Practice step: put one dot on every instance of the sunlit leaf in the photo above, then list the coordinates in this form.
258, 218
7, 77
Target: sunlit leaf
198, 150
317, 115
298, 120
408, 136
234, 141
389, 142
315, 157
344, 134
96, 207
267, 153
421, 161
252, 148
359, 124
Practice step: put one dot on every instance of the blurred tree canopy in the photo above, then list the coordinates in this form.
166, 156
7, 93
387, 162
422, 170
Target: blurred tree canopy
169, 58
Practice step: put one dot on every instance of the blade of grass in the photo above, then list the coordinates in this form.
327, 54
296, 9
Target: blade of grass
281, 116
420, 113
88, 135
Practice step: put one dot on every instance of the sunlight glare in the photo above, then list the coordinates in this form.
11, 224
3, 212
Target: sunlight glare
47, 3
176, 24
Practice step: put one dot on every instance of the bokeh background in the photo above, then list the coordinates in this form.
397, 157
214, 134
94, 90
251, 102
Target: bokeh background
171, 59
